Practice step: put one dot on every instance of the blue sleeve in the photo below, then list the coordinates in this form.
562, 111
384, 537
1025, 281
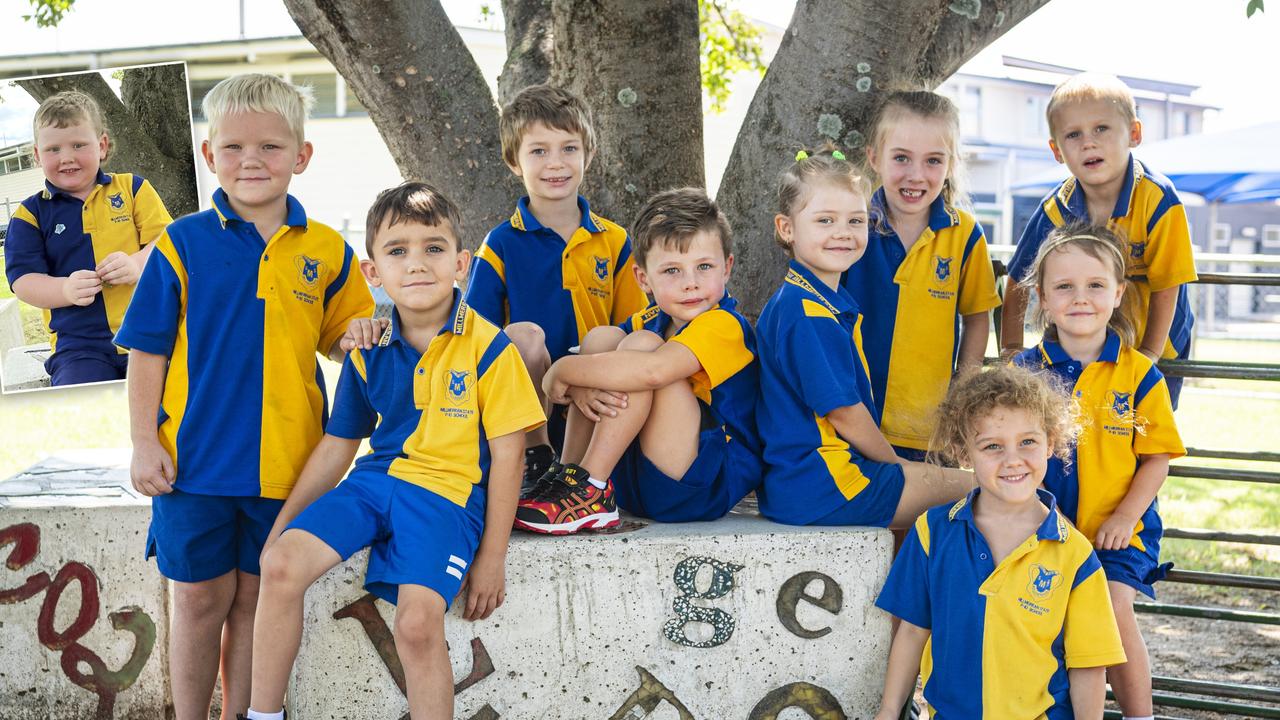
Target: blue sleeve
1038, 228
24, 247
353, 415
823, 363
486, 286
151, 322
906, 591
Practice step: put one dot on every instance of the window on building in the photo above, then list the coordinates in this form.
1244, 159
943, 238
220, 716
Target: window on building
971, 111
28, 161
1033, 120
1219, 236
200, 88
324, 88
1271, 237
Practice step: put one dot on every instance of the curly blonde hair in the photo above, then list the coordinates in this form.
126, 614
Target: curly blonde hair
979, 394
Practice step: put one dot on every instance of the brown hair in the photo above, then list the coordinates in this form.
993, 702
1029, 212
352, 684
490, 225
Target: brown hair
547, 104
1106, 247
814, 166
923, 104
416, 202
976, 395
68, 108
1091, 86
673, 217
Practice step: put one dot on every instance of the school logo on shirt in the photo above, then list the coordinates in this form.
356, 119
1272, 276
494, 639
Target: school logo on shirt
57, 230
117, 201
602, 268
309, 269
458, 386
1121, 404
1137, 250
942, 268
1043, 581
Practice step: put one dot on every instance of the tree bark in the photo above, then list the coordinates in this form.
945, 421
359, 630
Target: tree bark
409, 67
530, 46
146, 129
814, 73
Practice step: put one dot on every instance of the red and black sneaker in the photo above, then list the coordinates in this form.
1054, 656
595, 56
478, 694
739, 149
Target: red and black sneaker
540, 468
568, 505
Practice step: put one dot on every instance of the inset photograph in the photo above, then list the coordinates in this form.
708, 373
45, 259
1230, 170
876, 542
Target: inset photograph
93, 166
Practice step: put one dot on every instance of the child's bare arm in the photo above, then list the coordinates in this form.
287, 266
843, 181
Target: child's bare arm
859, 429
47, 291
973, 341
904, 666
485, 583
1116, 531
1088, 689
1159, 320
151, 469
1012, 316
621, 370
325, 467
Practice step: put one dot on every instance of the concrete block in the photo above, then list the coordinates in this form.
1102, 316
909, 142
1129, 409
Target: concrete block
24, 368
83, 618
739, 618
10, 325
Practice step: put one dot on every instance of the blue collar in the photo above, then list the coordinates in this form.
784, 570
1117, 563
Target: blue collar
838, 301
1053, 353
523, 219
458, 311
295, 215
1071, 195
941, 215
1053, 527
51, 191
659, 321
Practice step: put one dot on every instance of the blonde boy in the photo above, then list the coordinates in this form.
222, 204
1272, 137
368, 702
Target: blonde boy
555, 270
57, 235
1093, 125
225, 396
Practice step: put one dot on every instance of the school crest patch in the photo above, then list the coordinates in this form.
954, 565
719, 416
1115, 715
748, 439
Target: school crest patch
309, 269
1121, 404
601, 268
1043, 581
1137, 250
117, 201
458, 384
942, 268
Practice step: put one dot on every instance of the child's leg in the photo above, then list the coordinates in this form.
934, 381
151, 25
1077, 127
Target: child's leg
1131, 682
928, 485
532, 344
613, 435
419, 636
237, 646
578, 429
195, 633
669, 438
291, 565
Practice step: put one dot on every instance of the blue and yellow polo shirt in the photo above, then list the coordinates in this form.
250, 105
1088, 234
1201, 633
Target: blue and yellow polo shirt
54, 233
911, 302
524, 272
728, 383
241, 320
1126, 413
811, 362
428, 416
1151, 220
1002, 636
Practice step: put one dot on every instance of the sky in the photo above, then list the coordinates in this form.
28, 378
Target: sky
1209, 43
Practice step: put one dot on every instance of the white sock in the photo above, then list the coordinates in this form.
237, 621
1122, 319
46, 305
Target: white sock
259, 715
600, 484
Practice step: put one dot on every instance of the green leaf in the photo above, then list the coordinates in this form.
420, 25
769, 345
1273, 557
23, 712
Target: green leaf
1253, 7
730, 43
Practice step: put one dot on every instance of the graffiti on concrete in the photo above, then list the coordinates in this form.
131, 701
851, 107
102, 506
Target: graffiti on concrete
103, 682
793, 591
686, 580
365, 611
651, 693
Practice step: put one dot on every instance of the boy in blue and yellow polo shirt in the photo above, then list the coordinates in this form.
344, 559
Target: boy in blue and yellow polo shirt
77, 247
1094, 124
555, 270
683, 446
225, 396
445, 401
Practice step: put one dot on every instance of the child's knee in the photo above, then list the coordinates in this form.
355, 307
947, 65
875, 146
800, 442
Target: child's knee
641, 340
602, 338
420, 624
529, 340
203, 599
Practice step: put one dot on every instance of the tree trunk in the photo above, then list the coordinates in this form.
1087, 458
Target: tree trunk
408, 65
142, 128
530, 46
830, 46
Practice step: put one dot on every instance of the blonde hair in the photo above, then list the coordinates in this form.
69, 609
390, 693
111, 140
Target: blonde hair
1106, 247
816, 166
1091, 86
67, 108
925, 105
977, 395
552, 106
260, 93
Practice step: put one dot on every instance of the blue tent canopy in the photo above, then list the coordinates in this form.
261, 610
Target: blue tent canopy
1235, 166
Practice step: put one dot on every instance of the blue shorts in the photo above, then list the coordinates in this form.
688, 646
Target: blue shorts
1136, 568
721, 475
912, 454
876, 504
200, 537
73, 367
415, 536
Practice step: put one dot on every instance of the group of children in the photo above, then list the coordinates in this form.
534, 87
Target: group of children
862, 366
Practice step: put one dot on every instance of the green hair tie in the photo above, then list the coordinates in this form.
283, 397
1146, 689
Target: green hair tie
837, 154
802, 155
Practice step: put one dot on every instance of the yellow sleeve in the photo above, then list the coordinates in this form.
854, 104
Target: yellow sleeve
1156, 433
149, 214
507, 400
977, 280
1169, 259
628, 298
716, 338
1091, 638
351, 300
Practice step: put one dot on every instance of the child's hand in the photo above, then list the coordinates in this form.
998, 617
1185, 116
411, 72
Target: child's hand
151, 469
485, 586
556, 390
363, 333
594, 403
80, 286
118, 269
1114, 533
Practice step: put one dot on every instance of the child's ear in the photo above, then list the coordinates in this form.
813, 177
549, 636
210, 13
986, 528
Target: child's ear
207, 152
103, 144
1135, 133
728, 267
1057, 154
871, 155
642, 279
304, 158
370, 272
463, 266
783, 226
